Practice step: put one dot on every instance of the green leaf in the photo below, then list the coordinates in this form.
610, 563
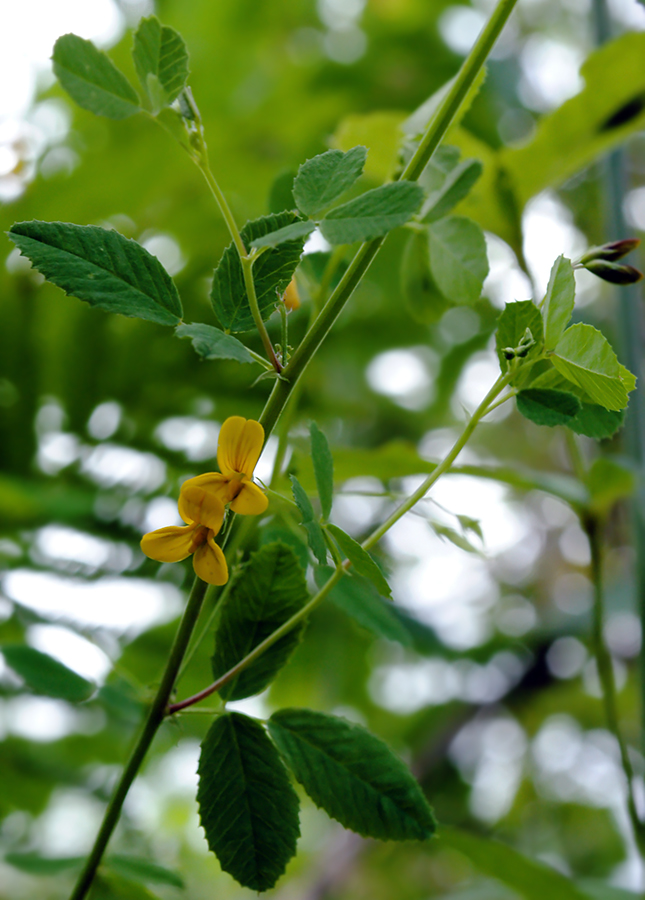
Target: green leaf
276, 531
247, 807
281, 193
458, 258
314, 531
584, 356
101, 267
531, 879
137, 868
45, 866
323, 468
444, 531
352, 775
455, 187
271, 590
161, 60
288, 233
272, 272
381, 133
559, 301
360, 559
92, 80
545, 407
326, 177
211, 343
45, 675
609, 482
357, 597
597, 422
110, 886
511, 327
424, 300
373, 214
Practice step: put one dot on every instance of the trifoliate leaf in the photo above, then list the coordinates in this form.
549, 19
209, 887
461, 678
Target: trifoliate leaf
584, 356
211, 343
45, 675
352, 775
372, 214
458, 258
326, 177
247, 807
323, 468
360, 559
271, 591
101, 267
559, 301
92, 80
547, 407
161, 60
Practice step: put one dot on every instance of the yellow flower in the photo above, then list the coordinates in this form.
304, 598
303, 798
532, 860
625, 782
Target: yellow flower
291, 297
204, 513
238, 450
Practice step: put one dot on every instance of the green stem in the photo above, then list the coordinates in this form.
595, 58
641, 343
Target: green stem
593, 530
249, 284
443, 467
156, 715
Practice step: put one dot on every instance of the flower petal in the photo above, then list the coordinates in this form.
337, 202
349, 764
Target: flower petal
210, 563
197, 504
214, 483
239, 446
170, 544
251, 501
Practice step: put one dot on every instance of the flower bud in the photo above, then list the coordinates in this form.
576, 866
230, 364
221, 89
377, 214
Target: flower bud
614, 272
290, 296
610, 252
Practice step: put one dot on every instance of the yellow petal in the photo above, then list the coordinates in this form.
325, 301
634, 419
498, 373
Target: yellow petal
214, 483
210, 563
199, 505
170, 544
251, 501
239, 446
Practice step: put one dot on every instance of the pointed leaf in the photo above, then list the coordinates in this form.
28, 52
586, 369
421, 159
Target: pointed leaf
45, 866
584, 356
545, 407
288, 233
137, 868
360, 559
211, 343
597, 422
247, 807
91, 78
45, 675
161, 59
358, 598
110, 886
372, 214
323, 468
352, 775
458, 258
272, 272
314, 531
511, 327
326, 177
272, 589
101, 267
455, 187
449, 534
559, 301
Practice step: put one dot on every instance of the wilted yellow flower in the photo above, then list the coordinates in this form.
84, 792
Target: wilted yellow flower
204, 513
291, 297
238, 450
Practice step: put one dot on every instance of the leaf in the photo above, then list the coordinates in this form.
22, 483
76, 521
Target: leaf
511, 328
276, 531
584, 356
373, 214
272, 272
597, 422
458, 258
456, 185
92, 80
161, 60
323, 468
110, 886
531, 879
381, 133
326, 177
101, 267
281, 193
45, 675
360, 559
270, 592
424, 300
137, 868
247, 807
288, 233
609, 482
545, 407
357, 597
45, 866
559, 301
473, 525
211, 343
352, 775
444, 531
314, 531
